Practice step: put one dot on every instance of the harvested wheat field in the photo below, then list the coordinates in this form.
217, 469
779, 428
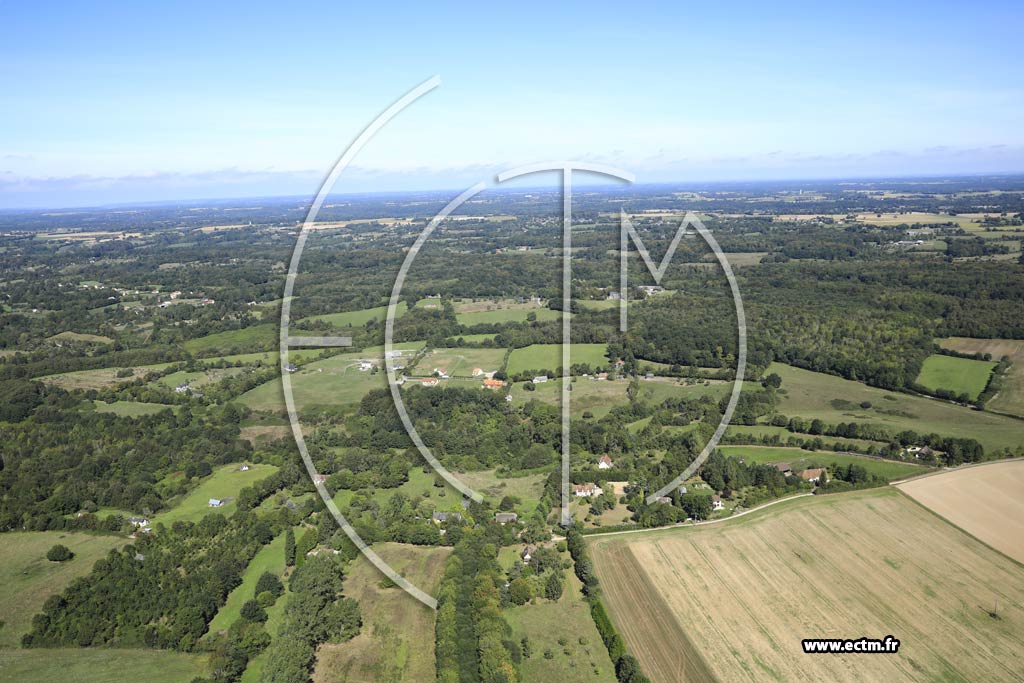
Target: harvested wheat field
986, 501
738, 597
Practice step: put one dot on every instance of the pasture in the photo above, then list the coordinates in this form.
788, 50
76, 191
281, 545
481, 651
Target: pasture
245, 340
1010, 398
356, 318
396, 642
99, 665
507, 314
225, 482
549, 357
27, 578
129, 408
959, 375
101, 378
583, 658
600, 396
984, 501
334, 381
270, 558
460, 362
800, 459
832, 399
732, 601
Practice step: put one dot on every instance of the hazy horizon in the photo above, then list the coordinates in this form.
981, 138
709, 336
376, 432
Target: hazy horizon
125, 103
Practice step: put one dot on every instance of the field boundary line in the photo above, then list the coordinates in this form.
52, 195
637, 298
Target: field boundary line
958, 527
947, 470
690, 525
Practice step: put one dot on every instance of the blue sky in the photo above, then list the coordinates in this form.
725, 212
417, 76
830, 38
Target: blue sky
122, 102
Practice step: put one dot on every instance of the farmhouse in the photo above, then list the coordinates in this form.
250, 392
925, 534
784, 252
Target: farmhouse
506, 518
429, 381
182, 388
243, 468
216, 502
586, 490
716, 503
602, 375
528, 552
365, 365
540, 378
814, 474
441, 373
291, 367
442, 517
605, 463
614, 296
493, 384
138, 521
320, 478
664, 500
782, 467
477, 372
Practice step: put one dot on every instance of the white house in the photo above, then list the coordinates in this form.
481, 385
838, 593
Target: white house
540, 378
716, 503
216, 502
586, 490
365, 365
605, 463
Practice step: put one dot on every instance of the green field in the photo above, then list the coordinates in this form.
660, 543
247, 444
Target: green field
959, 375
1010, 398
225, 482
549, 357
600, 396
598, 304
355, 318
99, 665
270, 558
244, 340
815, 395
335, 381
800, 459
27, 578
506, 315
130, 408
460, 362
757, 431
583, 657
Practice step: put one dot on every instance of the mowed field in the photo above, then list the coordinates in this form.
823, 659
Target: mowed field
549, 357
1010, 398
99, 665
600, 396
734, 600
816, 395
334, 381
986, 501
225, 482
959, 375
396, 642
356, 318
460, 362
800, 459
27, 578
